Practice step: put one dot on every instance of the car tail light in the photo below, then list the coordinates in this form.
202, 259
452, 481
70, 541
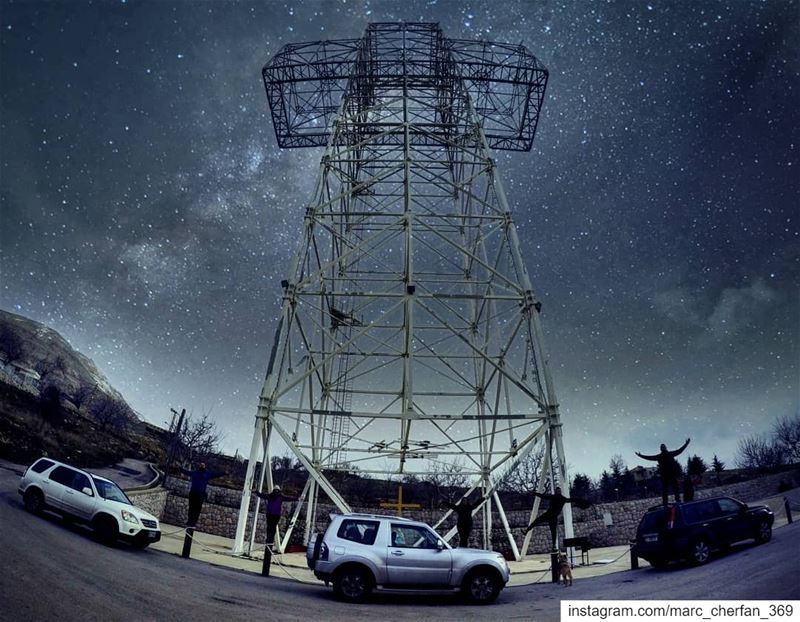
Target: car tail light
673, 512
323, 552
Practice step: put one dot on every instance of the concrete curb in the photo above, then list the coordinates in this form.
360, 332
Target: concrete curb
153, 483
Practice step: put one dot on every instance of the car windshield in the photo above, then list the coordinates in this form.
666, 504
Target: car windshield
109, 490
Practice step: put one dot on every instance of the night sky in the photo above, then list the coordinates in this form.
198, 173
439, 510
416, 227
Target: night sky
149, 217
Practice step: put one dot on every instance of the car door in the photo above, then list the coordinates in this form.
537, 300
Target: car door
415, 558
735, 521
59, 480
703, 520
77, 502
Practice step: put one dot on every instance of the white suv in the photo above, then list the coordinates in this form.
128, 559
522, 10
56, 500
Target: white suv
360, 552
84, 497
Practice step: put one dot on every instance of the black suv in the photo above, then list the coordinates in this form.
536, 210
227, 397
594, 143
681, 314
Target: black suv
692, 530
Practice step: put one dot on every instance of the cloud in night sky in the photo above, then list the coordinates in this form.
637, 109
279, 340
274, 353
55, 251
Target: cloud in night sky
148, 215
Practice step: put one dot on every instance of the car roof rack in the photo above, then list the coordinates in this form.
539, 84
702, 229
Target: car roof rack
365, 515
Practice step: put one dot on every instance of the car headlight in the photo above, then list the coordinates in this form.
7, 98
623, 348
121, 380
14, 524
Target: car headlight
130, 518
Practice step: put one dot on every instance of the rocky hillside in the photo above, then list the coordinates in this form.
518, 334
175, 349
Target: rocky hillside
54, 400
39, 356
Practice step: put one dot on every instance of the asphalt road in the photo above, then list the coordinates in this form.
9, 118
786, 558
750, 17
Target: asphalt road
54, 571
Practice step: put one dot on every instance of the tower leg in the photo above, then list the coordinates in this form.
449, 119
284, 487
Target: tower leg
244, 507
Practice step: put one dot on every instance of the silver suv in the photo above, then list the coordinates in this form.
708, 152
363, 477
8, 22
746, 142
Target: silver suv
87, 498
359, 552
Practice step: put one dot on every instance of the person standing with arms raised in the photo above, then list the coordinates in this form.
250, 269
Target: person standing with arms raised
669, 470
274, 504
197, 491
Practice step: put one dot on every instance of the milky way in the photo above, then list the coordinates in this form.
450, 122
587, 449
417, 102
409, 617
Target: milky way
148, 215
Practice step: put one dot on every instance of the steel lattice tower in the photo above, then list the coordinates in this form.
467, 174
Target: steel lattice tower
409, 333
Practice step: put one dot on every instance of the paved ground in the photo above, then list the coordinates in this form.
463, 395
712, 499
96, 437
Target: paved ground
55, 571
130, 474
217, 550
534, 569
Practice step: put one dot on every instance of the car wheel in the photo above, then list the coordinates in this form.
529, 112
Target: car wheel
34, 501
105, 530
700, 551
481, 586
352, 583
763, 532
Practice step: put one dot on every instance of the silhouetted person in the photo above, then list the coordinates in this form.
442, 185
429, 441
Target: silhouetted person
550, 515
688, 488
197, 491
669, 468
463, 510
272, 508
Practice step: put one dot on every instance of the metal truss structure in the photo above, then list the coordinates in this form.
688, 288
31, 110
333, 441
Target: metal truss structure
409, 335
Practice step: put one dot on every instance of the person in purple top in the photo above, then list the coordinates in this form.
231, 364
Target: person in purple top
197, 491
272, 507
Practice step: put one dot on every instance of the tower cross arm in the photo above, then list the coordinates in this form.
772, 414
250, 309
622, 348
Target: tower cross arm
305, 82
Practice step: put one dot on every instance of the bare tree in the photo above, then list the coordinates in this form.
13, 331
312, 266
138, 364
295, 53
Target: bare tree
199, 438
756, 452
83, 395
48, 367
281, 463
617, 465
786, 432
110, 412
522, 478
445, 478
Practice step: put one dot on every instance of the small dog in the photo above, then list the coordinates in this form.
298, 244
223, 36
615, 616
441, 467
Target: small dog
565, 570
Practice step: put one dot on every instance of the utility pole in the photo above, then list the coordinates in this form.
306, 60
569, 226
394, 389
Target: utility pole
173, 444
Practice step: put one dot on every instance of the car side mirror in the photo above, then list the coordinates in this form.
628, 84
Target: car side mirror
440, 544
87, 491
743, 508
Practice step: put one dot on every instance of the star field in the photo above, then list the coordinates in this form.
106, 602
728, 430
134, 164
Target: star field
147, 214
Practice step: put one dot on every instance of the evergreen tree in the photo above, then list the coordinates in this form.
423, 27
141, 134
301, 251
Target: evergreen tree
696, 466
582, 487
607, 487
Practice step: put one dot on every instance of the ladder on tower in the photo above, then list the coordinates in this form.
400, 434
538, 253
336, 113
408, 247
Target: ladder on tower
343, 398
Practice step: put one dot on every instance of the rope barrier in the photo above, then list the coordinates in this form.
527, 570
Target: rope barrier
548, 569
284, 566
275, 556
172, 533
621, 556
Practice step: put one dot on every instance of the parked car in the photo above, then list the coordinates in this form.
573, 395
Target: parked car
84, 497
691, 531
361, 552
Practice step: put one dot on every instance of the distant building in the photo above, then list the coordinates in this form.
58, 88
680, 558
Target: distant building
643, 474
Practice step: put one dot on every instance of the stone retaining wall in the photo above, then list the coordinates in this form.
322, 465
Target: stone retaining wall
221, 510
152, 500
